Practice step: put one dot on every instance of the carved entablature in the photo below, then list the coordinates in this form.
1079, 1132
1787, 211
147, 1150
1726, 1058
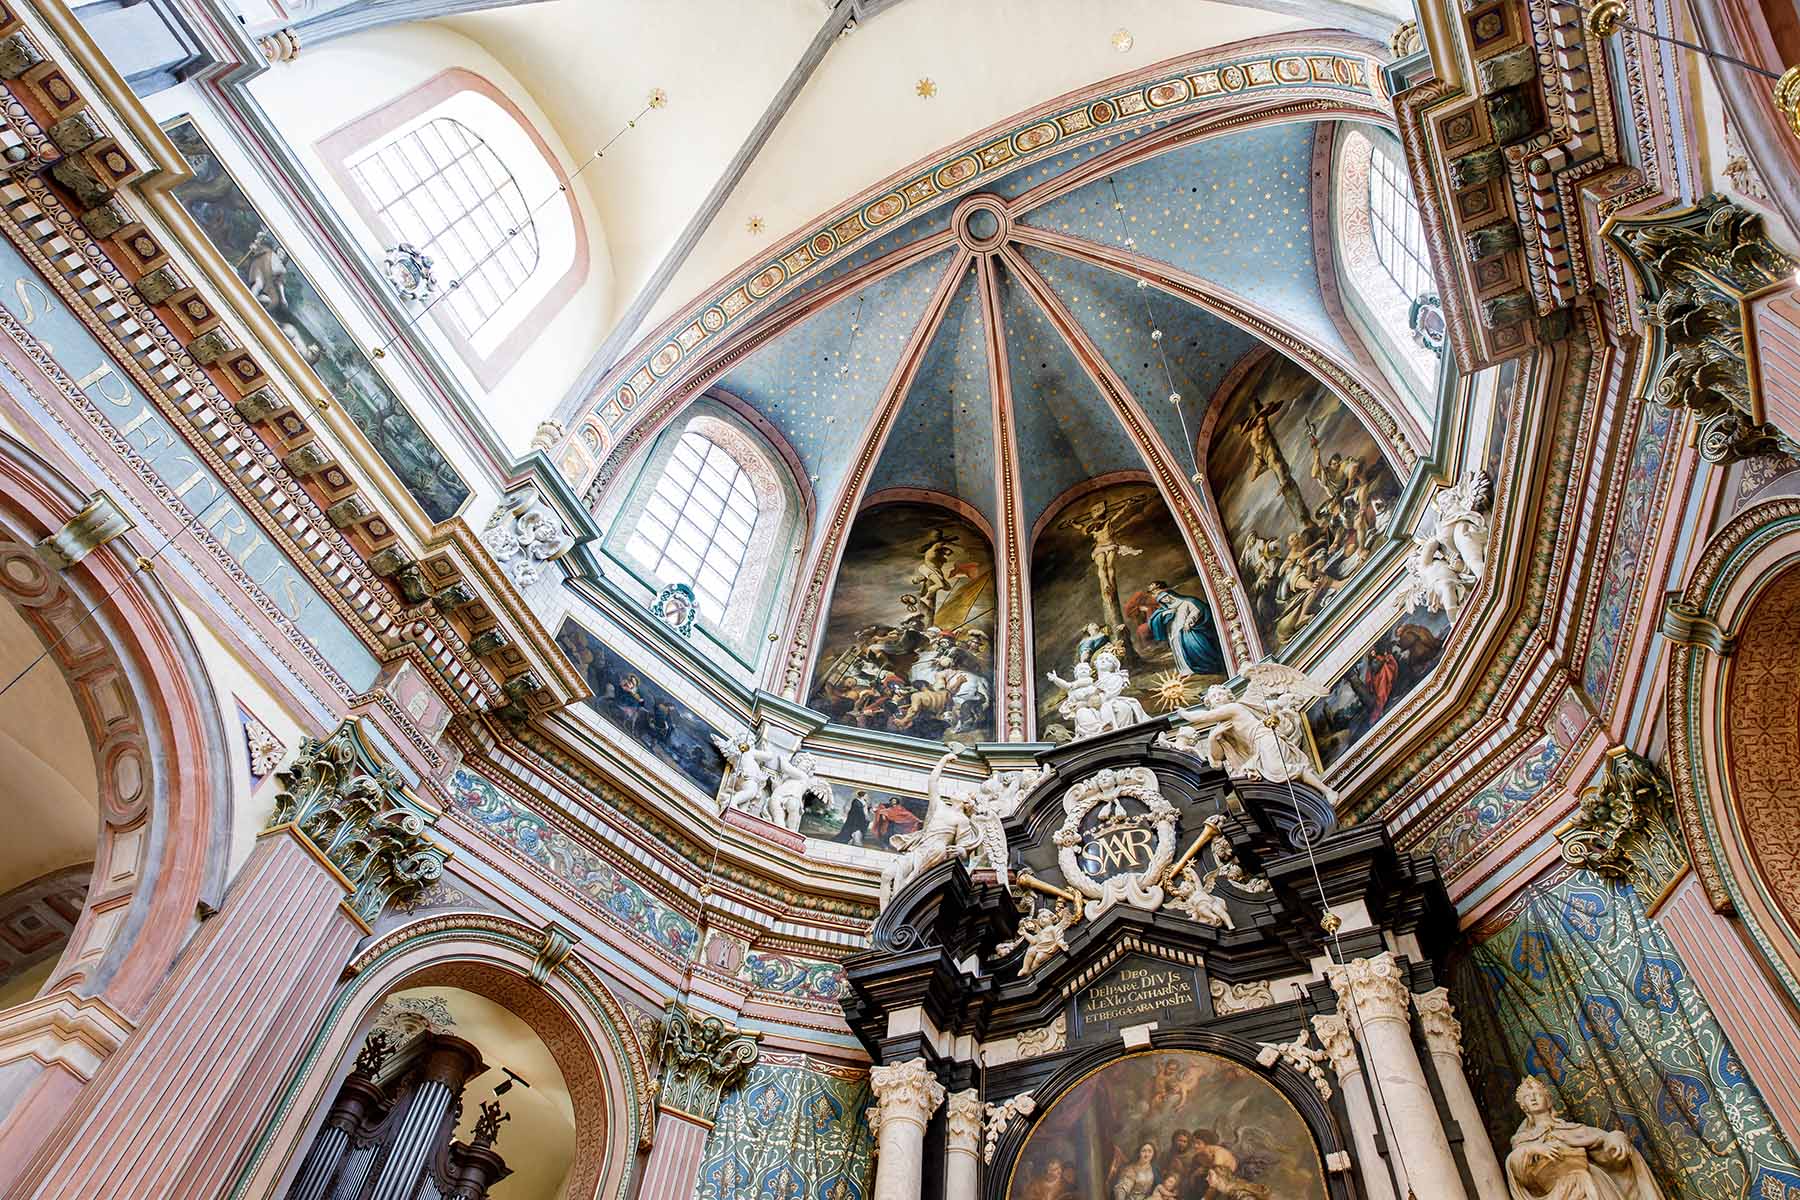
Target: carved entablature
1699, 273
1507, 163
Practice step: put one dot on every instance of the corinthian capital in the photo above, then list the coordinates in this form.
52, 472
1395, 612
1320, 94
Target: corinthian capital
354, 810
1335, 1038
1437, 1017
1375, 987
702, 1056
963, 1114
908, 1091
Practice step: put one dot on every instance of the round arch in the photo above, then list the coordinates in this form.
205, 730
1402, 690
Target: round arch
164, 785
564, 1002
1734, 726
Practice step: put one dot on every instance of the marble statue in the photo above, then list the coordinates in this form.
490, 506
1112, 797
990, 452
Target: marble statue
1462, 525
1096, 702
1257, 735
1043, 932
770, 784
1555, 1159
949, 829
1433, 580
1445, 564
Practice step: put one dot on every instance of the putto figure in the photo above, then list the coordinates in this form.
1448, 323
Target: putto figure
1553, 1158
1258, 735
1444, 565
770, 784
1096, 701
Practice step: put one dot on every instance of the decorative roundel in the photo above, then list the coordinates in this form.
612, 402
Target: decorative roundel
982, 223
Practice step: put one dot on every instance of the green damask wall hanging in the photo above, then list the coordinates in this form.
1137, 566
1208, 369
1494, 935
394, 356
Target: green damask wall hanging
794, 1129
1580, 987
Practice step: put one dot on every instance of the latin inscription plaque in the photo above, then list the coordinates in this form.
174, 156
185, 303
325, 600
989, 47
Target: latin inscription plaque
1137, 990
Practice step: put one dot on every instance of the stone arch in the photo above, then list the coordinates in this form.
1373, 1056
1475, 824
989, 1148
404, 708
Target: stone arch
1734, 727
529, 971
162, 765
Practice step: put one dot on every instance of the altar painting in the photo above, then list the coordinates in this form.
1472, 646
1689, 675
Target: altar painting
1110, 569
1303, 490
909, 643
1170, 1125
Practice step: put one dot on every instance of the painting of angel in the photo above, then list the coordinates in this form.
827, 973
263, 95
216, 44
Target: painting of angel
909, 640
1170, 1125
1303, 489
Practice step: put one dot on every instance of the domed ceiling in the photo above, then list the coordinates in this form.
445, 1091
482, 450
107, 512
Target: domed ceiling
1110, 401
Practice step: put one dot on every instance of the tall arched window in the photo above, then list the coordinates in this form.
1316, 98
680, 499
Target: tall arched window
696, 526
443, 189
1394, 224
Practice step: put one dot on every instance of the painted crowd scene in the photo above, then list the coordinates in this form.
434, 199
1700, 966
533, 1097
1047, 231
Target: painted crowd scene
1170, 1125
909, 643
1303, 490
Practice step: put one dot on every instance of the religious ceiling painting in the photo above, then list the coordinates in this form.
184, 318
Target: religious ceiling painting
861, 816
1169, 1125
909, 642
1302, 488
632, 701
1405, 653
220, 207
1109, 571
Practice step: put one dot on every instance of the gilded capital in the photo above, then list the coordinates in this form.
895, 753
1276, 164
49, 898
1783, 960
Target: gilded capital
1437, 1018
908, 1091
702, 1056
1338, 1043
963, 1113
353, 809
1375, 987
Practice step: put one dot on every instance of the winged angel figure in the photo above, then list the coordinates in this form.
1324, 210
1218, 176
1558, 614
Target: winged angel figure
1258, 735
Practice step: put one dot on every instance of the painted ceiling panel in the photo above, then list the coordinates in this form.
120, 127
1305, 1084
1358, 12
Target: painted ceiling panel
1235, 210
1119, 316
1066, 430
798, 380
943, 438
1025, 178
923, 226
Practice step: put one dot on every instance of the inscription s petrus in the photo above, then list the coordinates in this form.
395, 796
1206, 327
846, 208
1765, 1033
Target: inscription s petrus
1139, 990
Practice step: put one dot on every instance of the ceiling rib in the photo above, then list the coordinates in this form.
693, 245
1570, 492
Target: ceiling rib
1016, 685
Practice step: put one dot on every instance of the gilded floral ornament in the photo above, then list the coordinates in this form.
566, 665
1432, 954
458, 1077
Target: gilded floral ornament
1787, 97
1700, 271
1621, 829
702, 1056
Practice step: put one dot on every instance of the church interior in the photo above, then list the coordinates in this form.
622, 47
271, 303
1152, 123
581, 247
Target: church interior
900, 599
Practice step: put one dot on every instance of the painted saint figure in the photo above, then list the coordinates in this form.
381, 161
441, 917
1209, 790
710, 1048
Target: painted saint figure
1185, 623
1553, 1158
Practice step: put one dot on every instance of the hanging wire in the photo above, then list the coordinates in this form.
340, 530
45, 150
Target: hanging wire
1156, 335
145, 562
1332, 925
657, 100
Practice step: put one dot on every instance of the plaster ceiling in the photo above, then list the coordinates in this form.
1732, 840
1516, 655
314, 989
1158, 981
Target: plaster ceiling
590, 63
47, 784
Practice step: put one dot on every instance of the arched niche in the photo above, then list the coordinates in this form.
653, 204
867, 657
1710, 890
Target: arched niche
909, 640
132, 696
1734, 727
1098, 555
551, 991
1093, 1117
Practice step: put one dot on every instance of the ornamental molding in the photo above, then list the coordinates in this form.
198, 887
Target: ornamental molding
1699, 272
1620, 828
963, 1117
353, 810
701, 1057
1107, 791
1338, 1043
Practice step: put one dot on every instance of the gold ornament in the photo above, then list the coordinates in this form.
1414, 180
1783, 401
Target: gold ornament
1787, 97
1331, 923
925, 89
1607, 18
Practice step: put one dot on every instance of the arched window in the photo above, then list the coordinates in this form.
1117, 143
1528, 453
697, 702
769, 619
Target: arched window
442, 188
1394, 224
697, 524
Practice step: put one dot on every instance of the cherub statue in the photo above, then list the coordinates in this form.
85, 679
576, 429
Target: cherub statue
1084, 706
1257, 735
795, 783
1432, 579
1553, 1158
748, 773
1195, 901
1117, 709
1461, 524
1043, 932
948, 830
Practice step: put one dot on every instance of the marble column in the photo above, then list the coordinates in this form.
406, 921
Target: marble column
1373, 996
908, 1094
174, 1107
702, 1056
1443, 1037
1334, 1036
962, 1144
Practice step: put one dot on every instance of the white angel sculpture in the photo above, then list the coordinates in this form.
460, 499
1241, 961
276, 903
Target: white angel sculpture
1433, 580
771, 784
949, 829
1096, 702
748, 772
1257, 735
1445, 563
1462, 525
795, 783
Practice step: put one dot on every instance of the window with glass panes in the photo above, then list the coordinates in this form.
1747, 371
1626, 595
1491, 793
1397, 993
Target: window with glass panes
442, 189
696, 526
1394, 224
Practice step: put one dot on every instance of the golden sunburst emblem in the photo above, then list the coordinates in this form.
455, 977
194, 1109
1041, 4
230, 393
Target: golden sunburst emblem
925, 89
1172, 690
